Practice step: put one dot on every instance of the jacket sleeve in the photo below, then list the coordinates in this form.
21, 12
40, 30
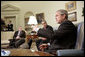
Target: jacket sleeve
15, 35
23, 35
63, 30
45, 33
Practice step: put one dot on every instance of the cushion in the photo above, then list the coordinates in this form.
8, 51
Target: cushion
4, 41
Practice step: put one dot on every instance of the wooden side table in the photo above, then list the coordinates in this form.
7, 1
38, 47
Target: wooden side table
32, 37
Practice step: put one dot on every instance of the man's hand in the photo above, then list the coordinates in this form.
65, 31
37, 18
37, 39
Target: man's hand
35, 28
44, 38
17, 37
43, 46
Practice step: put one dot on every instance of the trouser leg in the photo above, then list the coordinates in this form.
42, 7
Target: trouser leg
30, 43
38, 42
19, 42
12, 42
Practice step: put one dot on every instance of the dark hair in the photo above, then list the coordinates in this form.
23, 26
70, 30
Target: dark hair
2, 22
10, 21
44, 21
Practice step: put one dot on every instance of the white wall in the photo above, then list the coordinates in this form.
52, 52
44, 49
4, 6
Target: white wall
53, 7
49, 8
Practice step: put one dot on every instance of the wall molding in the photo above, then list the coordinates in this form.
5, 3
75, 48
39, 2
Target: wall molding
9, 7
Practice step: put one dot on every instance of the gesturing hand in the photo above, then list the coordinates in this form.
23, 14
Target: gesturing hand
35, 28
43, 46
43, 38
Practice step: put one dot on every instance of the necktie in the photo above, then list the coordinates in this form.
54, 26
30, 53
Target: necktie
18, 33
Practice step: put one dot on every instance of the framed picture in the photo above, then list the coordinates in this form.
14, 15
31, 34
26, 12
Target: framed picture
70, 6
72, 16
40, 17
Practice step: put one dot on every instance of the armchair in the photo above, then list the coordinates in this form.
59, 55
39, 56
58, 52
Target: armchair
79, 48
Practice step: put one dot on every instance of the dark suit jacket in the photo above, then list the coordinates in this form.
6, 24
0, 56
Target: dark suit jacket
48, 29
64, 37
10, 27
2, 22
22, 34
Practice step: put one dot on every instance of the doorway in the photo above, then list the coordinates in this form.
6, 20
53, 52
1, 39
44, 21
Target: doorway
12, 19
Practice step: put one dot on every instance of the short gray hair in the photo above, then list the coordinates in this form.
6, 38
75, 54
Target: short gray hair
62, 12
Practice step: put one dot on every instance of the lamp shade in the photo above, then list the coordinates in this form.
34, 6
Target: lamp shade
32, 20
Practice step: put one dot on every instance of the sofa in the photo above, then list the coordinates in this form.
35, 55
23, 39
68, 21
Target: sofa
5, 36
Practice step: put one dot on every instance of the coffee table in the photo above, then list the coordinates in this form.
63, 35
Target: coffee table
40, 53
27, 52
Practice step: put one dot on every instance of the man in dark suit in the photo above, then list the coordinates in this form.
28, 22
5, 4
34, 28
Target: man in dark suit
42, 40
64, 37
2, 24
10, 26
18, 38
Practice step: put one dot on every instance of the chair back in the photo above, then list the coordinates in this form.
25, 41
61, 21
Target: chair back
80, 36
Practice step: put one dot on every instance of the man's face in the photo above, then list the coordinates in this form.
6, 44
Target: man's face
9, 22
20, 28
59, 17
44, 24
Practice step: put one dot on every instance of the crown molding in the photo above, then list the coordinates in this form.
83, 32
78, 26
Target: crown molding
9, 7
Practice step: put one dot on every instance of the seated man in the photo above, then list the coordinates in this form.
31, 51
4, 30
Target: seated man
2, 24
10, 26
42, 40
18, 38
64, 37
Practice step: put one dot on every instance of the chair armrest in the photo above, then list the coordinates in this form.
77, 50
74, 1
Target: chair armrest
70, 52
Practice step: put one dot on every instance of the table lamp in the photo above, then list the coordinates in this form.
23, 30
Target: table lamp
32, 21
